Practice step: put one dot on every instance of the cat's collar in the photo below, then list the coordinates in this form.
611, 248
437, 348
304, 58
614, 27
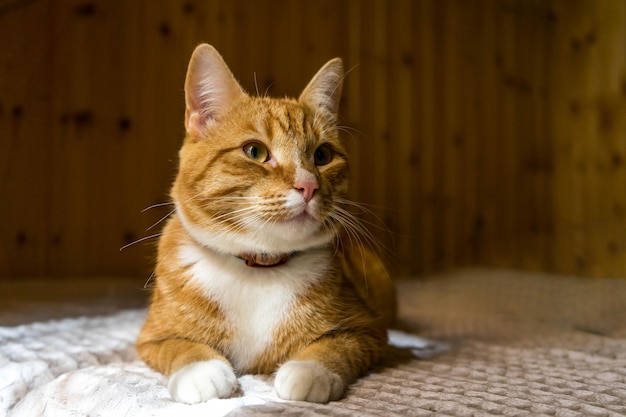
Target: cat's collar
264, 260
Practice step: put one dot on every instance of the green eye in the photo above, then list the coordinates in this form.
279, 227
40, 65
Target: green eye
323, 155
256, 151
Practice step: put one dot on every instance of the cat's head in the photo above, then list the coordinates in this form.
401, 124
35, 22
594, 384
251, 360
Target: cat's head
259, 174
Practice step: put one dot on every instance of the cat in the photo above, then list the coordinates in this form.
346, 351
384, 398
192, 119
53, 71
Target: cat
262, 269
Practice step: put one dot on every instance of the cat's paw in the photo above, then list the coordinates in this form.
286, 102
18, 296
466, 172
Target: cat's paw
202, 381
308, 381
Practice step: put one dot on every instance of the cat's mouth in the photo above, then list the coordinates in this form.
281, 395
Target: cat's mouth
303, 217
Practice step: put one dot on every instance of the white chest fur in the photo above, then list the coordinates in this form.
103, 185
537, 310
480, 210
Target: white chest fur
254, 300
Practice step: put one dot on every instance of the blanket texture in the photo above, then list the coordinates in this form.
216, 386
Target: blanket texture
88, 366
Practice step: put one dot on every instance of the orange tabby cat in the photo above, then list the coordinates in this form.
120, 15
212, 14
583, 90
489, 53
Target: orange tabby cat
260, 270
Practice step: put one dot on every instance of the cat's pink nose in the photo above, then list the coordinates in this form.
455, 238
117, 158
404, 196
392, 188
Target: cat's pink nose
307, 188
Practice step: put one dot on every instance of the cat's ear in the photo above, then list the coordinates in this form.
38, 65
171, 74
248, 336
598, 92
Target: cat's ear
210, 89
324, 90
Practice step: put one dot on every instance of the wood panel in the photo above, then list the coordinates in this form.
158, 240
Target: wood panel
588, 95
483, 132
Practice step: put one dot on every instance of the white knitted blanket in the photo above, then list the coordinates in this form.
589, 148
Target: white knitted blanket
89, 367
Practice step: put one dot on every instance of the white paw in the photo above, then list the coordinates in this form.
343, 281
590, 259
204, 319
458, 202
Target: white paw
202, 381
308, 381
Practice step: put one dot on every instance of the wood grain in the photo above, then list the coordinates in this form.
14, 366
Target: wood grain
484, 132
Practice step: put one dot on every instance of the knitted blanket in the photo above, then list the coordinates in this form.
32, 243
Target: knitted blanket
88, 366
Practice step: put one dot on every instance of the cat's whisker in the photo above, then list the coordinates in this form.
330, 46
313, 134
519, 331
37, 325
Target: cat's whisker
349, 131
363, 222
355, 239
226, 204
140, 240
150, 278
231, 198
329, 227
245, 220
379, 224
356, 233
270, 219
192, 198
234, 214
154, 271
355, 225
354, 229
228, 225
223, 199
161, 220
360, 205
168, 203
235, 221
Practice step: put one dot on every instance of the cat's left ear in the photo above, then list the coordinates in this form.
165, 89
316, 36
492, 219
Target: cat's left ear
324, 90
210, 89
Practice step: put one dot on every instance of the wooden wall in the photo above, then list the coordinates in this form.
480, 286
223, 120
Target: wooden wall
487, 132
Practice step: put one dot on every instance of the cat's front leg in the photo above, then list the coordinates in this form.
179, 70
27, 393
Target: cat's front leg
322, 371
197, 373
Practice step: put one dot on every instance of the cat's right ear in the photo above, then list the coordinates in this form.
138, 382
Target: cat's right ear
210, 89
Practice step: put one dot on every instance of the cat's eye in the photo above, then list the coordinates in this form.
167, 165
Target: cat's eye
323, 155
256, 151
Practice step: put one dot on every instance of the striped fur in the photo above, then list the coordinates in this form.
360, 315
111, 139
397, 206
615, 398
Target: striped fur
318, 320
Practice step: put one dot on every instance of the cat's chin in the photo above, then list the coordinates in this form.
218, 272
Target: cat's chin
300, 223
298, 229
295, 234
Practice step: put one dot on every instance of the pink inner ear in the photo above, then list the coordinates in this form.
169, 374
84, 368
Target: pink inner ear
210, 88
194, 124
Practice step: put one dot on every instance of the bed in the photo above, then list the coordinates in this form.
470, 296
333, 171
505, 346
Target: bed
468, 343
